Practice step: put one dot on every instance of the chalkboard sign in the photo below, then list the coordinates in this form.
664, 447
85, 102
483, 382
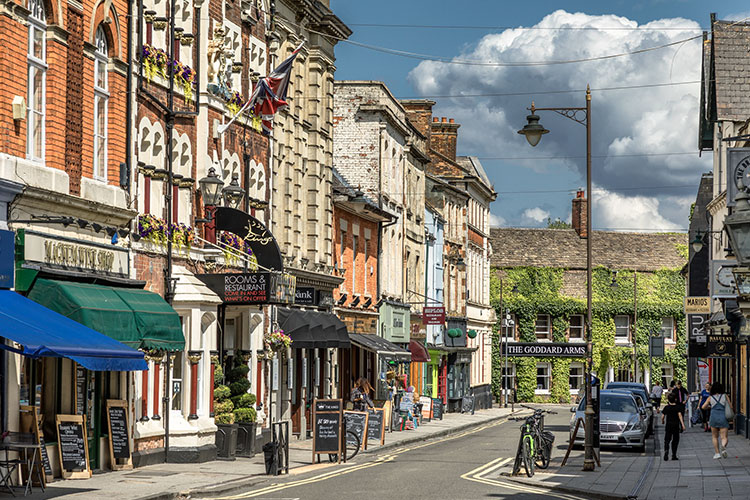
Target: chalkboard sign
356, 422
73, 447
467, 404
328, 422
45, 459
437, 408
426, 407
31, 422
80, 385
119, 437
376, 425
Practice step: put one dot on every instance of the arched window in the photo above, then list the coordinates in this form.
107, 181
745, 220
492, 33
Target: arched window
101, 98
37, 78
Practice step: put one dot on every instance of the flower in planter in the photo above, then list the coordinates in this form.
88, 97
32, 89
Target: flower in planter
185, 76
235, 102
277, 340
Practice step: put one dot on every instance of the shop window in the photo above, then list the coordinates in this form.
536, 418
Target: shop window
575, 379
576, 329
667, 374
542, 377
101, 99
622, 329
667, 329
37, 81
623, 374
542, 327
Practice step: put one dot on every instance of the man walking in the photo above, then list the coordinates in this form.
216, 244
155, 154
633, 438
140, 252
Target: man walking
672, 414
681, 394
656, 393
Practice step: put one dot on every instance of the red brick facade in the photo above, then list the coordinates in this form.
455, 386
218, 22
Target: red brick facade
363, 281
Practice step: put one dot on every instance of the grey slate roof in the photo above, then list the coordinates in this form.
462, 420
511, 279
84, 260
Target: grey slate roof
562, 248
472, 165
731, 42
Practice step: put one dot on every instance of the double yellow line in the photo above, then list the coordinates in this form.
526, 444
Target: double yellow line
478, 476
349, 469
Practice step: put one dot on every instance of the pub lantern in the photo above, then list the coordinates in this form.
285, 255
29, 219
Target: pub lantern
233, 193
210, 187
738, 227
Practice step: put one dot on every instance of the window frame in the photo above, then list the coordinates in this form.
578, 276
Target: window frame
37, 22
548, 333
670, 367
547, 377
580, 377
670, 338
101, 99
622, 338
581, 328
504, 377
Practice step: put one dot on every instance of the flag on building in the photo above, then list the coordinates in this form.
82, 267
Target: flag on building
269, 95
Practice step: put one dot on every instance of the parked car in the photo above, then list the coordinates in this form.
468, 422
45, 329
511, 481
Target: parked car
621, 421
648, 421
640, 389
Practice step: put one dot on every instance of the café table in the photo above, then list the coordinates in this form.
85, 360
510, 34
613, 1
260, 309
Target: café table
27, 448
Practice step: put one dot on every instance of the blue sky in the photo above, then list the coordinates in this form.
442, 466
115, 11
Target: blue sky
639, 183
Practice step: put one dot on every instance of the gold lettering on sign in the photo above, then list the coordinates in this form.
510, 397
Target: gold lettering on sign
264, 238
72, 255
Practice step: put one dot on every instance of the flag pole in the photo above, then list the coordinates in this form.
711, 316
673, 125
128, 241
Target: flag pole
223, 128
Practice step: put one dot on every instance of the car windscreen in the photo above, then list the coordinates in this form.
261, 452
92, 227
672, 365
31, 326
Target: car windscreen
614, 403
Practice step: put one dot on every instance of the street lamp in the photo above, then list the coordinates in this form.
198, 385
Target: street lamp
233, 193
697, 242
533, 131
506, 322
738, 226
210, 188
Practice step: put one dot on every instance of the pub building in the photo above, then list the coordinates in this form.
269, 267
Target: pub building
84, 322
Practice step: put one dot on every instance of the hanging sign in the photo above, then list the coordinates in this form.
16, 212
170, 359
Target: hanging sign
433, 315
255, 234
7, 258
722, 279
251, 288
304, 295
697, 327
738, 160
720, 346
546, 349
697, 305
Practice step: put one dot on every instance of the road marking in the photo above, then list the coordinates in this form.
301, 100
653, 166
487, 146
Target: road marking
377, 461
477, 475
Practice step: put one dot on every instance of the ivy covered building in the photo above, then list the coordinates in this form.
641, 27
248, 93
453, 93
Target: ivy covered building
539, 279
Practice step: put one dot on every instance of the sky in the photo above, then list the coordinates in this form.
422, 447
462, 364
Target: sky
645, 166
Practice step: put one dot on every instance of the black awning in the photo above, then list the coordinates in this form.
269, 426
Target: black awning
311, 329
378, 344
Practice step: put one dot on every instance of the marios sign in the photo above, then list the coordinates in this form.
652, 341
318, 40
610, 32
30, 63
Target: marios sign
565, 350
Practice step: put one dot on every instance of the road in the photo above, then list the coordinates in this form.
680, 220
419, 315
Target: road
462, 466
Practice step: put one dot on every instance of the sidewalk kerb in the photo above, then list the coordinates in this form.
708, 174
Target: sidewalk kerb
600, 495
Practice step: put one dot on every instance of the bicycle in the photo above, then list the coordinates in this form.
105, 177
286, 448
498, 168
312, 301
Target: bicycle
526, 447
535, 447
543, 439
350, 450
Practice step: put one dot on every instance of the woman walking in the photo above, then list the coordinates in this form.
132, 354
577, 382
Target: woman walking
361, 395
718, 402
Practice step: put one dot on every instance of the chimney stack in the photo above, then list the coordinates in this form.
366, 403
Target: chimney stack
419, 113
444, 136
580, 214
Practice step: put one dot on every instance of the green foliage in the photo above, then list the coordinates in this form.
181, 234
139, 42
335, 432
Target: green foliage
225, 406
224, 418
557, 224
682, 249
243, 400
245, 415
218, 375
221, 393
238, 372
540, 291
239, 387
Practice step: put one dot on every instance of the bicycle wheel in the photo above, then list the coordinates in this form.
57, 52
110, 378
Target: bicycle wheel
528, 458
543, 451
352, 445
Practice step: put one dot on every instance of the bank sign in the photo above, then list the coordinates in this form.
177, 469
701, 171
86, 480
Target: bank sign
546, 349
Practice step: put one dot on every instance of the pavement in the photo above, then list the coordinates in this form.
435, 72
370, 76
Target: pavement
217, 478
629, 475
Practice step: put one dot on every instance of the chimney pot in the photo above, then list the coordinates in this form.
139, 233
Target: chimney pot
452, 120
443, 119
435, 119
579, 193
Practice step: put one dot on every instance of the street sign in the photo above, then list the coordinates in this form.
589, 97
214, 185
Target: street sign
657, 347
433, 315
697, 305
697, 327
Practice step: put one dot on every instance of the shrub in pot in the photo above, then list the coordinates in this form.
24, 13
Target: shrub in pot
226, 435
244, 412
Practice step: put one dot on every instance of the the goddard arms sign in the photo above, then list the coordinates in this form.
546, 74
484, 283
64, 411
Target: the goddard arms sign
546, 349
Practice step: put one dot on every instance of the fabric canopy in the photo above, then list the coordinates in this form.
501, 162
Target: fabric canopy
419, 353
42, 332
137, 318
310, 329
379, 345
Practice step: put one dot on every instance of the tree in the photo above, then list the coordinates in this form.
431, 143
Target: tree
557, 224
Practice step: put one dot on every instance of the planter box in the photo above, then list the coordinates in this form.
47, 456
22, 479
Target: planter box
245, 439
226, 441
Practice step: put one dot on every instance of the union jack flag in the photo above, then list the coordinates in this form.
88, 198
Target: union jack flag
269, 95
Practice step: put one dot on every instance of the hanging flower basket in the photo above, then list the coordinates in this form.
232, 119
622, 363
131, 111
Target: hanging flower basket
184, 75
155, 230
154, 62
277, 341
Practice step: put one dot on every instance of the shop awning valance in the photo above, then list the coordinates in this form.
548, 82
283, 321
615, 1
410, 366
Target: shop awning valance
419, 352
135, 317
378, 344
42, 332
311, 329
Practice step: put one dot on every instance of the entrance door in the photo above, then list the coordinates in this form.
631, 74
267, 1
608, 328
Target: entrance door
297, 401
443, 381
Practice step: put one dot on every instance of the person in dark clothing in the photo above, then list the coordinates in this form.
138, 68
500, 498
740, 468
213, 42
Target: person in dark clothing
705, 414
361, 395
672, 414
681, 394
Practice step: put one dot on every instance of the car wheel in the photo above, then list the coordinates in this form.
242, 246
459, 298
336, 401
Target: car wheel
640, 449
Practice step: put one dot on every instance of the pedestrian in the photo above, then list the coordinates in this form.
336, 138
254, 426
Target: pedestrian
361, 395
718, 402
675, 424
656, 393
705, 394
681, 394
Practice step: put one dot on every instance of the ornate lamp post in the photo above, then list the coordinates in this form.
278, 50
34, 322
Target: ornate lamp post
210, 188
533, 131
233, 194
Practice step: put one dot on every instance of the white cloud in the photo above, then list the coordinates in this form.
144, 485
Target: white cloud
643, 121
739, 16
497, 220
618, 212
536, 214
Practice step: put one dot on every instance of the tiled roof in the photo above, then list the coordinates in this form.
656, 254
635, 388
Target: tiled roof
731, 41
562, 248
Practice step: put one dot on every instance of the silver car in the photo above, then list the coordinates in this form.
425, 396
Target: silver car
621, 422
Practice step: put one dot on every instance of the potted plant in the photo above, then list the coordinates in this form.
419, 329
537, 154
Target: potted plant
244, 412
226, 433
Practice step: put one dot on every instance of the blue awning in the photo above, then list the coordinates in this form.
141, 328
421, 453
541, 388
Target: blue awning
45, 333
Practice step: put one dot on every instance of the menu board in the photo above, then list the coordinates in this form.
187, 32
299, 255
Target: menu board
119, 438
328, 422
73, 447
356, 422
426, 403
467, 404
80, 384
376, 425
437, 408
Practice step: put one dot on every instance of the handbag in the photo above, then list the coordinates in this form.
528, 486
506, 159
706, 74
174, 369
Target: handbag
728, 411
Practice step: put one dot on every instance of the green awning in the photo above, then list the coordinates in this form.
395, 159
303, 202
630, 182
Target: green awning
135, 317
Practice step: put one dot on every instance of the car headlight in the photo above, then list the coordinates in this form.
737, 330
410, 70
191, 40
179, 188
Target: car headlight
634, 424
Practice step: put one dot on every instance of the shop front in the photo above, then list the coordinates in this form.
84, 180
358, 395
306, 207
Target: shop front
391, 363
357, 362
